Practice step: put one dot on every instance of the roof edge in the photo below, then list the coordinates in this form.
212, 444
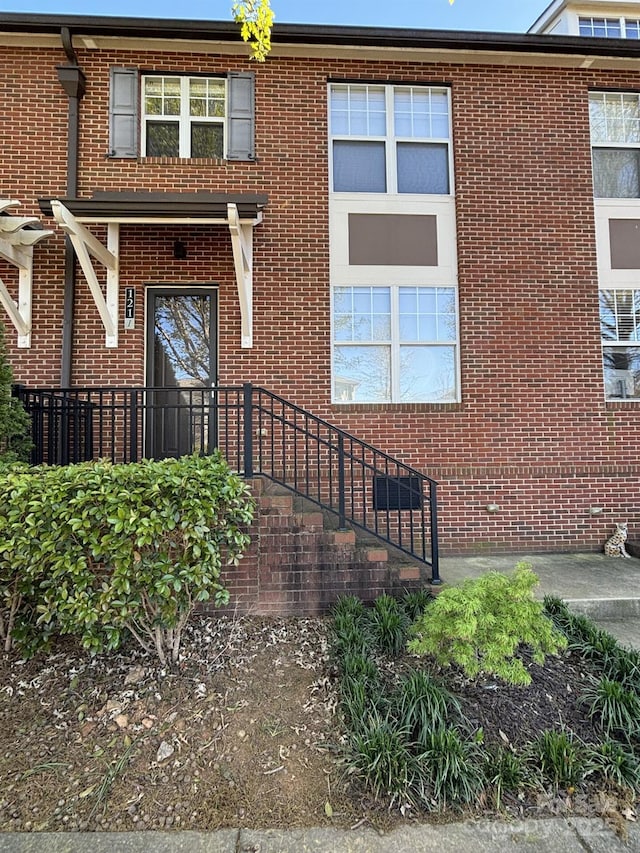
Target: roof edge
318, 34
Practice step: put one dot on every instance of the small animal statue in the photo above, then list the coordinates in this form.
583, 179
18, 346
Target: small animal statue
614, 546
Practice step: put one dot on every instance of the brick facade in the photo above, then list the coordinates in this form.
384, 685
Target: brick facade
532, 433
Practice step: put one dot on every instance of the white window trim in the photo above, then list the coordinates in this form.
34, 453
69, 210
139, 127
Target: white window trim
442, 207
390, 140
184, 119
606, 209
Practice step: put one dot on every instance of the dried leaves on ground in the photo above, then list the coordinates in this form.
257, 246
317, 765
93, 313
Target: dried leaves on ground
242, 733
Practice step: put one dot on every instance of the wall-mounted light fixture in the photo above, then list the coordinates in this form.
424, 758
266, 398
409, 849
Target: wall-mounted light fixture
492, 508
179, 250
595, 510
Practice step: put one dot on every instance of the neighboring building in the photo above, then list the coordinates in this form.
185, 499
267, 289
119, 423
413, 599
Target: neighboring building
593, 18
428, 239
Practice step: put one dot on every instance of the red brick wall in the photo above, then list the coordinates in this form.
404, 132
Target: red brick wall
532, 433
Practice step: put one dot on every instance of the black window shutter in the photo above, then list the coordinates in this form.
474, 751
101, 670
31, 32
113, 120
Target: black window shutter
241, 116
123, 113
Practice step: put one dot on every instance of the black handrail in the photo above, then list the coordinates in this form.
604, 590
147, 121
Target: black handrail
259, 433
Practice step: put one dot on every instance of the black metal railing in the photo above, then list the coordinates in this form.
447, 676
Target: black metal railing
259, 433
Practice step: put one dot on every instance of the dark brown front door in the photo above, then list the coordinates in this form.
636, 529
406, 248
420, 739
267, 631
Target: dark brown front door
181, 370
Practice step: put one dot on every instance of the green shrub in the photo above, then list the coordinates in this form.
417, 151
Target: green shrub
15, 424
480, 624
107, 549
17, 600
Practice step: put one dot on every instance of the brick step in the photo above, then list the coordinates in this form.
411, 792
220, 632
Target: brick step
299, 561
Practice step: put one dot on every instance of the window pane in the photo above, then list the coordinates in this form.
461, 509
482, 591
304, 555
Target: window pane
427, 374
614, 117
359, 167
362, 373
421, 113
608, 327
206, 97
427, 314
620, 315
423, 168
616, 172
358, 110
162, 95
621, 372
370, 315
207, 140
162, 139
600, 27
632, 29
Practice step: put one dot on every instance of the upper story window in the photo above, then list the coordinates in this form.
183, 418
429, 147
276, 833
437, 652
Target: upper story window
390, 139
176, 115
183, 116
609, 27
600, 27
615, 139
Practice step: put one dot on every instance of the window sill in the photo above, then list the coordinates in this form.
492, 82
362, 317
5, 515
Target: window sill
396, 407
183, 161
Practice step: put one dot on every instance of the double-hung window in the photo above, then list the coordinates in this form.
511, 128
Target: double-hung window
183, 116
390, 139
615, 139
394, 344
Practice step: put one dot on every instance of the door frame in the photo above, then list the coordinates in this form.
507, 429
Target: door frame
187, 289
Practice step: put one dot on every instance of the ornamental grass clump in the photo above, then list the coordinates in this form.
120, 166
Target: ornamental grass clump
378, 754
560, 758
388, 625
481, 624
615, 765
615, 709
421, 704
452, 768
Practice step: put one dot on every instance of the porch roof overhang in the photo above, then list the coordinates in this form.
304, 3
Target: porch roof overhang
240, 212
161, 208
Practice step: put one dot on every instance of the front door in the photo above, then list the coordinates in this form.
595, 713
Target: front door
181, 369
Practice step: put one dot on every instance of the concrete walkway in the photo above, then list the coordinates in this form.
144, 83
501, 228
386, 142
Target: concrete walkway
555, 835
604, 588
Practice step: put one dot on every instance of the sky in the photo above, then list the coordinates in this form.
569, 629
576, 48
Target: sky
479, 15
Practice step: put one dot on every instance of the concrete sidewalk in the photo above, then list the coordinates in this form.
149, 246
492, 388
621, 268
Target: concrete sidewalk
555, 835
